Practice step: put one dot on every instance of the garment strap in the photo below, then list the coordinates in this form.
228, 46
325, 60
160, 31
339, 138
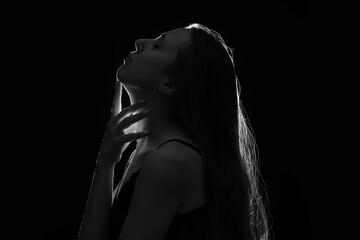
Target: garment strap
174, 139
182, 141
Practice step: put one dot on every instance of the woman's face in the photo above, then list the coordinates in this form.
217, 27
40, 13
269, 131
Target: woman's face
146, 69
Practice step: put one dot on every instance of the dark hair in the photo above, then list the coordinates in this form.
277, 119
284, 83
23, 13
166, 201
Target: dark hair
209, 106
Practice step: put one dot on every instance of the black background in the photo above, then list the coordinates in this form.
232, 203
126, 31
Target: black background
73, 52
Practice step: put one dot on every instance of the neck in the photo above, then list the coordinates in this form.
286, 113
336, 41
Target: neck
160, 127
159, 132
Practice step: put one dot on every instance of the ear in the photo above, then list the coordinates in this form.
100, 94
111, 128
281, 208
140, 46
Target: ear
168, 87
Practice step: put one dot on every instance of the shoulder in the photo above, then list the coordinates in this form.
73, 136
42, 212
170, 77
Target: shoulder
174, 157
174, 164
166, 161
159, 193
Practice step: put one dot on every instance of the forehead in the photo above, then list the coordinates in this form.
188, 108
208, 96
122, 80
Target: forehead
177, 38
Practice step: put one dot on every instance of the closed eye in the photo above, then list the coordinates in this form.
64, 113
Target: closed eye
162, 40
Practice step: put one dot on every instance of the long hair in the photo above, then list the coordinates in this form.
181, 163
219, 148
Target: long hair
209, 107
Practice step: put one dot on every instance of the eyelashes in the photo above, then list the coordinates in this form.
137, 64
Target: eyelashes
157, 44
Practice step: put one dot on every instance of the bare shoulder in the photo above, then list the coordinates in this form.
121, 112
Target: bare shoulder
178, 160
160, 192
176, 154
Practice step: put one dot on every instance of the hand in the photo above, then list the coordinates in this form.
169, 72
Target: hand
115, 137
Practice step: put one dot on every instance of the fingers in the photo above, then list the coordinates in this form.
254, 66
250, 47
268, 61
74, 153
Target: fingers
132, 119
131, 137
115, 128
134, 106
125, 112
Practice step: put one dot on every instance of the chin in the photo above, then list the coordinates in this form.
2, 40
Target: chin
120, 74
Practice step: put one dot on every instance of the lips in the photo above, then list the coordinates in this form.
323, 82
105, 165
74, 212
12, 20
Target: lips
129, 57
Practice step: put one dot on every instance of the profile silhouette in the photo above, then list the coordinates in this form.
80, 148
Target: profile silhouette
194, 172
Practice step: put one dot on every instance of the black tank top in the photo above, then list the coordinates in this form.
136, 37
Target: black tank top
192, 225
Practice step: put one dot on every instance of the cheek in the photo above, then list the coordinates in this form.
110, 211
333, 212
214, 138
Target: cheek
148, 69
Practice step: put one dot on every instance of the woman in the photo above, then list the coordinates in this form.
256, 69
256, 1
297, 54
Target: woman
193, 174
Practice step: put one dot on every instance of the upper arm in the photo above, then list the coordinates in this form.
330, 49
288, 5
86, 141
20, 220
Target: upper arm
159, 192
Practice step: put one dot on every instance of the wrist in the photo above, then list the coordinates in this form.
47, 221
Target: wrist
103, 163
